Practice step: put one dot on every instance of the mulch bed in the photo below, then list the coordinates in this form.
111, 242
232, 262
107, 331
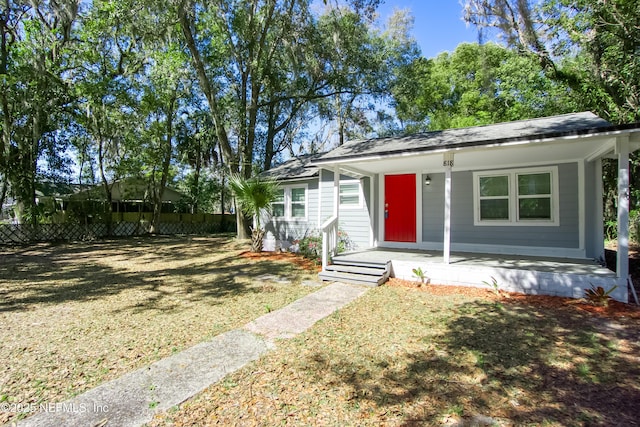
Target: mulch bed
298, 260
615, 309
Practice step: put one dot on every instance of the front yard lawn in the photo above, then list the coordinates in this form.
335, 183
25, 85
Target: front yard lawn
403, 357
76, 315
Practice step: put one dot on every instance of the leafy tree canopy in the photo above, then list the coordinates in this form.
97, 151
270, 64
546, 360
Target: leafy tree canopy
476, 85
591, 46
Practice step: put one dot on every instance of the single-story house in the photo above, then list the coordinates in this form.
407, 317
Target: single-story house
129, 195
518, 203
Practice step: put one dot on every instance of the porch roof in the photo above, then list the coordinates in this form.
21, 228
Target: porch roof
541, 129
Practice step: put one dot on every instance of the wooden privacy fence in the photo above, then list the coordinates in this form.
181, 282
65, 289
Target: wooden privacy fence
28, 233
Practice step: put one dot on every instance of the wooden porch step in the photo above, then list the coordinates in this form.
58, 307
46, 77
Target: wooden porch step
346, 261
357, 279
356, 269
356, 272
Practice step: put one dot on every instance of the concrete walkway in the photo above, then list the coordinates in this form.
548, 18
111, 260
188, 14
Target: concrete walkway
134, 398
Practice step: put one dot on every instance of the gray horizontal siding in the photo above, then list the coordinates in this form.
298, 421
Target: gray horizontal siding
433, 208
354, 222
290, 230
463, 230
594, 236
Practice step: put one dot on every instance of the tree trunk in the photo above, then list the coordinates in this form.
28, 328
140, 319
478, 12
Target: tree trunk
269, 146
195, 192
206, 87
340, 119
31, 165
216, 113
242, 225
257, 240
158, 192
5, 132
105, 184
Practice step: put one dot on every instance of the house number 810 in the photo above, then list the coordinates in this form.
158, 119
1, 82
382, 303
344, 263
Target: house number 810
447, 163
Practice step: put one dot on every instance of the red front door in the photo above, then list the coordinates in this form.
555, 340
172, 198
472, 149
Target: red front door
400, 208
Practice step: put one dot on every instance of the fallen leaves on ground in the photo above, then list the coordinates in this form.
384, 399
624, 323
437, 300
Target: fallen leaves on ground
399, 356
300, 261
76, 315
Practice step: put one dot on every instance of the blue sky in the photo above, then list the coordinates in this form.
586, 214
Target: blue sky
438, 24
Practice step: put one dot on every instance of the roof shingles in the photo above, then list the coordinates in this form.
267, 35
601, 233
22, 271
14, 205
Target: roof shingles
563, 125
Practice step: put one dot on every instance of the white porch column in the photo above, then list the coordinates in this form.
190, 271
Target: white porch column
622, 150
319, 216
599, 223
336, 190
371, 208
446, 243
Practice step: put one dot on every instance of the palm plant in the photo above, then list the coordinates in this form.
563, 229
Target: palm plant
254, 196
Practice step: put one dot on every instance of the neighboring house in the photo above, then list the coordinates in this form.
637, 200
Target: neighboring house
49, 196
527, 192
129, 195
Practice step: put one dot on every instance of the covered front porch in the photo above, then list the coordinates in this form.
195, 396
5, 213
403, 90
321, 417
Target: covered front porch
528, 274
545, 237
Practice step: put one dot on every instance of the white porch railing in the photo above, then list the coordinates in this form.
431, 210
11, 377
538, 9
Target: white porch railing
329, 239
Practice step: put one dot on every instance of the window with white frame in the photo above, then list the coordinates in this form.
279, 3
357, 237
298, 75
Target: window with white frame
494, 197
516, 197
534, 196
290, 202
278, 205
350, 194
298, 197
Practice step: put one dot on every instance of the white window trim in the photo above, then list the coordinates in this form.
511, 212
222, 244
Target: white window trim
288, 202
513, 198
360, 195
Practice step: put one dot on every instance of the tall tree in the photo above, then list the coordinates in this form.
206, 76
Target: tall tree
259, 63
109, 64
476, 85
35, 41
592, 46
164, 92
231, 43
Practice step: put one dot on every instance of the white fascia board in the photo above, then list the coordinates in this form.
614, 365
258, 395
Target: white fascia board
606, 148
297, 181
355, 172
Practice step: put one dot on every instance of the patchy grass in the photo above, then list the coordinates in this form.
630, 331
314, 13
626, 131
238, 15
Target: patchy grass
76, 315
400, 356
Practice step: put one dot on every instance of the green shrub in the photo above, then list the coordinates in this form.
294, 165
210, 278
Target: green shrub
310, 246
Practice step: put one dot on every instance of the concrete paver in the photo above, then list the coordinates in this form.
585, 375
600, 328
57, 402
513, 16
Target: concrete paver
305, 312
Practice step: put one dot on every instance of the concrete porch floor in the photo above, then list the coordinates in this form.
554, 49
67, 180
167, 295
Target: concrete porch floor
527, 274
469, 259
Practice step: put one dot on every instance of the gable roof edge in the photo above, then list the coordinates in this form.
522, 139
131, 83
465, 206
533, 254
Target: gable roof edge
612, 130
